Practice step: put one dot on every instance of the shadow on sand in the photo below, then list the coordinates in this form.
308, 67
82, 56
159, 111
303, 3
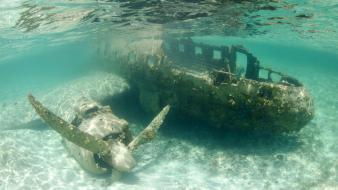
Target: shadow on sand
126, 106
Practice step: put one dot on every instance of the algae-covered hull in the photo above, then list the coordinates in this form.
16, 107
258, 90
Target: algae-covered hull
205, 83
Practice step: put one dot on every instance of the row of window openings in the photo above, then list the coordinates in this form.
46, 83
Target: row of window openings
241, 69
273, 76
198, 51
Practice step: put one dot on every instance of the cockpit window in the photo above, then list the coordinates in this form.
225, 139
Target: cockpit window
91, 110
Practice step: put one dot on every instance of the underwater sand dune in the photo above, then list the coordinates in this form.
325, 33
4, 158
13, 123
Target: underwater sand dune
98, 86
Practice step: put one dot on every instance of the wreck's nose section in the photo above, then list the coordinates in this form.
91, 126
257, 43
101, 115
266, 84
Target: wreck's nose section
121, 157
294, 109
303, 106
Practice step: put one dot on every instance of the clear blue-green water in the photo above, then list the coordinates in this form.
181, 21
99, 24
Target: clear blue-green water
56, 50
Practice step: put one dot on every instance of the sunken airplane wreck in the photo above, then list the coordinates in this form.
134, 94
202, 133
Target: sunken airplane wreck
204, 82
196, 80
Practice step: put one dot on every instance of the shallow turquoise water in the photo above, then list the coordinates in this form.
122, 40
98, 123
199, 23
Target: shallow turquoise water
56, 50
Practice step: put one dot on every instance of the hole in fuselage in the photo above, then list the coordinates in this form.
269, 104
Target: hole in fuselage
198, 51
217, 55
